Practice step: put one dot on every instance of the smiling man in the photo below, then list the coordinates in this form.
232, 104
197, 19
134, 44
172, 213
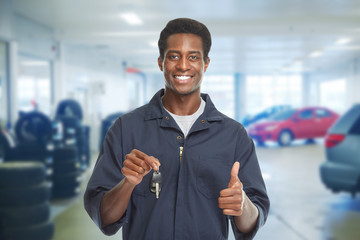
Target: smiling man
209, 170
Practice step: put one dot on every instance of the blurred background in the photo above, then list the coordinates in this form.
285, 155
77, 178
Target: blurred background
288, 70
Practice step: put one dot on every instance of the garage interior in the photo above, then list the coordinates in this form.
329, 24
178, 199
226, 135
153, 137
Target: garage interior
264, 53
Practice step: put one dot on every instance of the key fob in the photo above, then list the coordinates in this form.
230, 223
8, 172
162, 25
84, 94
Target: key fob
156, 178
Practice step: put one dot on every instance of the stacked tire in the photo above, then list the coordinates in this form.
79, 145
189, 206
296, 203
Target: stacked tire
69, 113
34, 140
24, 201
67, 173
84, 147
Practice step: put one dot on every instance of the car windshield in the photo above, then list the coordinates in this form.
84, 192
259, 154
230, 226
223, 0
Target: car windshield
283, 115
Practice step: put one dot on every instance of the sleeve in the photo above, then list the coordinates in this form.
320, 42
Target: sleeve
254, 186
106, 174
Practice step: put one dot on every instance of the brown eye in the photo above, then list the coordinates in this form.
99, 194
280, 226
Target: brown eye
173, 57
193, 57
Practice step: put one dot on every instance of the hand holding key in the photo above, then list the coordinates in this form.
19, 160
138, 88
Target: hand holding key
137, 164
231, 199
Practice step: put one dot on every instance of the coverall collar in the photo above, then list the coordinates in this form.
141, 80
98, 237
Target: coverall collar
156, 110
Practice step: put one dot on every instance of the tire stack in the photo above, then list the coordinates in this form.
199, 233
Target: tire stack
24, 202
84, 147
69, 113
7, 145
69, 158
67, 174
32, 141
34, 135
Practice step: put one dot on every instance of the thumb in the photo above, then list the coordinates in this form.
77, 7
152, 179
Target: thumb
234, 174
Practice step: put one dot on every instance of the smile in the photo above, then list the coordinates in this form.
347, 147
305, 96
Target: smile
182, 77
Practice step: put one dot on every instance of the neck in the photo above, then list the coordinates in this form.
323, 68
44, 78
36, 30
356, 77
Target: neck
181, 104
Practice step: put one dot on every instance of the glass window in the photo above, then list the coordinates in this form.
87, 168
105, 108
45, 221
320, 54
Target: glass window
221, 91
355, 129
321, 113
33, 87
333, 94
283, 115
306, 114
267, 91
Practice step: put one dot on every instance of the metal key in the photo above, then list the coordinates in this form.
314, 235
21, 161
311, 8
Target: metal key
155, 183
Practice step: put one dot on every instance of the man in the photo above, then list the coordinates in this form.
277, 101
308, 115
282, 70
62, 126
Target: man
209, 168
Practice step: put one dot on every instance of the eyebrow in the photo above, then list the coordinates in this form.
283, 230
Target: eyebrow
191, 52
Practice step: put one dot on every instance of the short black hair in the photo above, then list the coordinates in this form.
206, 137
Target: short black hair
185, 25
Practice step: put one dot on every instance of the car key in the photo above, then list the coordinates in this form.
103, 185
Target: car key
155, 183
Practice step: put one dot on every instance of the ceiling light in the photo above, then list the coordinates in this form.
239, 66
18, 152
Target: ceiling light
131, 18
316, 54
342, 41
34, 63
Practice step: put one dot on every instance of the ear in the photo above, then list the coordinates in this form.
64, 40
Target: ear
160, 64
206, 64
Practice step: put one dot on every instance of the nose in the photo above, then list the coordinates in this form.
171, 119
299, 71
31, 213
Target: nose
183, 64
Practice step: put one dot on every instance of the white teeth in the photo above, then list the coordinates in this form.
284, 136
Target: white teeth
182, 77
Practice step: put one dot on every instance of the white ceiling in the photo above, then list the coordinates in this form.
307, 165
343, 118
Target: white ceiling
257, 36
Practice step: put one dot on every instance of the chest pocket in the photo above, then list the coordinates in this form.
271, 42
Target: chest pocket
143, 188
213, 175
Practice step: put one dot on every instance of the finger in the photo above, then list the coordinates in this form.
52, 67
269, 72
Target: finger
137, 161
150, 160
228, 192
129, 172
153, 162
234, 174
231, 212
233, 206
233, 202
133, 177
134, 167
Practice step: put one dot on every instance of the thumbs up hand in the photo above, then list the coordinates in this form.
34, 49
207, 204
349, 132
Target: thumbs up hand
231, 199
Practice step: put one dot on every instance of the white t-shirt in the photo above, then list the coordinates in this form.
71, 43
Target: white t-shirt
185, 122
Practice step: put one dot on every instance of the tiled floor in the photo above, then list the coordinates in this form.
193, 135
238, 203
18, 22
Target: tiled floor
73, 223
301, 208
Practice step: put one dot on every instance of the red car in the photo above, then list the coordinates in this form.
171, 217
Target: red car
287, 125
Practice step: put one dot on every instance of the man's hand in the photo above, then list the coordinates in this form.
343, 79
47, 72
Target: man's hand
137, 164
231, 199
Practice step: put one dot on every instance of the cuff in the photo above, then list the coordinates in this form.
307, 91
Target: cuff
250, 235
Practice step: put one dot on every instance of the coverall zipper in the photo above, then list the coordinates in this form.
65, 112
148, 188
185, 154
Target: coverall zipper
181, 152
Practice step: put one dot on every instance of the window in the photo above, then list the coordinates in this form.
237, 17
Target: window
306, 114
34, 89
221, 91
266, 91
355, 129
321, 113
333, 94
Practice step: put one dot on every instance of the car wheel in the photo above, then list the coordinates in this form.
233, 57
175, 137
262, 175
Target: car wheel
285, 138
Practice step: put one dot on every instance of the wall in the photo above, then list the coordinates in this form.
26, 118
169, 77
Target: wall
5, 20
349, 70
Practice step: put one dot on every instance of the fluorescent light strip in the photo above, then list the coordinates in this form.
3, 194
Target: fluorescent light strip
343, 41
34, 63
131, 18
316, 54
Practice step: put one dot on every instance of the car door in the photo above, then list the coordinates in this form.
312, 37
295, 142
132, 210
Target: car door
323, 121
304, 124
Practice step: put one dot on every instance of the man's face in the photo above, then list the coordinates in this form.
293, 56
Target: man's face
183, 64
